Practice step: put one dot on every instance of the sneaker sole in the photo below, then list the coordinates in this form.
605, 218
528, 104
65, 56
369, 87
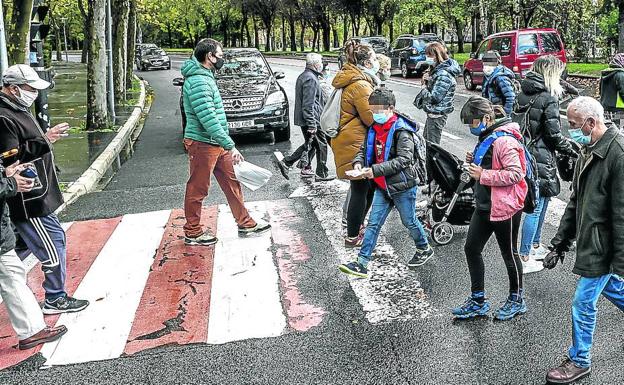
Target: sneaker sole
252, 233
353, 246
574, 379
351, 272
481, 313
422, 262
195, 243
520, 312
48, 311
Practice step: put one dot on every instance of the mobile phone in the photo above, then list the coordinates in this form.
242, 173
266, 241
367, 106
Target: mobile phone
31, 172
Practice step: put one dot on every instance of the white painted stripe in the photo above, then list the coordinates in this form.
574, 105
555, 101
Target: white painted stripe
114, 285
450, 136
245, 299
392, 291
31, 261
278, 155
331, 187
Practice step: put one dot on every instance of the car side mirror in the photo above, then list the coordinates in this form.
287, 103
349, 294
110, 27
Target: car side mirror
473, 55
178, 82
280, 75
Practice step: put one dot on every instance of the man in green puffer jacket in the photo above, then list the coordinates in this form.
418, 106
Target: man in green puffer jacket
209, 146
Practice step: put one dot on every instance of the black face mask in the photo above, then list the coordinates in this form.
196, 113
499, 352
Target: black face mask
219, 63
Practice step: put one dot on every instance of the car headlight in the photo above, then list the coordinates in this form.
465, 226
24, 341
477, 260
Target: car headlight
145, 61
275, 98
166, 58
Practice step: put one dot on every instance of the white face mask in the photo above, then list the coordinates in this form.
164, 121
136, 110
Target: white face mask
488, 70
26, 98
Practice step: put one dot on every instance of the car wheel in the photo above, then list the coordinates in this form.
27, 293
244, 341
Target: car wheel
405, 72
283, 134
169, 67
468, 81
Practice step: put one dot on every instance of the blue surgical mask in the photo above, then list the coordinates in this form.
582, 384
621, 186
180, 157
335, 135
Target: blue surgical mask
578, 136
476, 131
380, 117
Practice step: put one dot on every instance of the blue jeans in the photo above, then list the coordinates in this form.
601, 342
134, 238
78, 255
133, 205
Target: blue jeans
584, 311
532, 226
405, 203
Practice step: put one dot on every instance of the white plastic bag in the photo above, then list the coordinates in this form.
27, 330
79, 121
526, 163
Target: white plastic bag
252, 176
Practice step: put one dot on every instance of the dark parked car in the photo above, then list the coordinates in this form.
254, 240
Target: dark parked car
407, 55
253, 100
518, 50
142, 46
379, 43
150, 57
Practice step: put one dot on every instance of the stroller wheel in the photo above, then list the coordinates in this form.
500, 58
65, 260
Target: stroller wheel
442, 233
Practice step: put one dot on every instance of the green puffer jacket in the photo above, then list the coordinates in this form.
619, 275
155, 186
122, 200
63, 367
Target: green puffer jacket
205, 117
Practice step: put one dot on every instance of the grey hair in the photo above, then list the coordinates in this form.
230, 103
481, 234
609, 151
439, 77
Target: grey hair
551, 68
314, 60
587, 107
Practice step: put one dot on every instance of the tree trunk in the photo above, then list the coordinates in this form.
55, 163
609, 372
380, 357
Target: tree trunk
242, 30
87, 29
391, 30
459, 27
293, 32
97, 114
256, 33
269, 42
132, 20
620, 47
326, 36
314, 39
19, 37
345, 28
283, 33
335, 34
302, 36
120, 10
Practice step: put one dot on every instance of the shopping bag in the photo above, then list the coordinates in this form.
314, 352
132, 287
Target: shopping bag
252, 176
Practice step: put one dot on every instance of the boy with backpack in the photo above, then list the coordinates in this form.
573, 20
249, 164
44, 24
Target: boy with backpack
500, 85
393, 157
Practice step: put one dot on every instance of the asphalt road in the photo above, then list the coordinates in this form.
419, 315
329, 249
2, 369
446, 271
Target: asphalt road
345, 348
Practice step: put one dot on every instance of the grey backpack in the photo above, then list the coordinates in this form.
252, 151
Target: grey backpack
330, 117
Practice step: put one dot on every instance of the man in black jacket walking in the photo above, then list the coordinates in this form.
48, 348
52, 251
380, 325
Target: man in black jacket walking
595, 218
309, 102
612, 89
32, 212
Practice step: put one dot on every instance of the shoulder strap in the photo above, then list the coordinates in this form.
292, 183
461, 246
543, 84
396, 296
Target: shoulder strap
483, 147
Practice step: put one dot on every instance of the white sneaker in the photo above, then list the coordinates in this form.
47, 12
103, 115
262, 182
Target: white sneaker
539, 253
531, 266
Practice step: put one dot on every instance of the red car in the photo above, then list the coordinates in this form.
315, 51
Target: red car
518, 50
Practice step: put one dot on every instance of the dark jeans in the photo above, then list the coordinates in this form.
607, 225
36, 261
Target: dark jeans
318, 147
433, 129
479, 232
361, 199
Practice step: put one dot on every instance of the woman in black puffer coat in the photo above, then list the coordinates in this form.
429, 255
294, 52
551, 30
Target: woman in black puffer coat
540, 95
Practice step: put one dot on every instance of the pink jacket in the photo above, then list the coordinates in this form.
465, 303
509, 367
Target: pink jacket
506, 178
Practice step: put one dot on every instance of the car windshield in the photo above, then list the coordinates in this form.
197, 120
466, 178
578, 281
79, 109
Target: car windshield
243, 64
154, 52
421, 42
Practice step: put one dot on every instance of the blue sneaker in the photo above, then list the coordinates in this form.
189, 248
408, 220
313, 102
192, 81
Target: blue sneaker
354, 268
510, 309
472, 308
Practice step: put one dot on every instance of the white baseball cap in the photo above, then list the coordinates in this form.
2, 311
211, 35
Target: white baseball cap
23, 74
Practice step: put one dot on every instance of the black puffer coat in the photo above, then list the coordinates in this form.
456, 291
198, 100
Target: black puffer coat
543, 136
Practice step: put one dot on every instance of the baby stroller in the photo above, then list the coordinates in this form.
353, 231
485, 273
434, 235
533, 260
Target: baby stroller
451, 200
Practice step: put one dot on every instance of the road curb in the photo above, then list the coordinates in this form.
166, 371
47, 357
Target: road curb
88, 181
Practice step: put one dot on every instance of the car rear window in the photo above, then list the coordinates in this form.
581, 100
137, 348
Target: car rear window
502, 45
551, 43
527, 44
376, 43
423, 41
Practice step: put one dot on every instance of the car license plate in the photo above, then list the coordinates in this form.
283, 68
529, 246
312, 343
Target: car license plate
241, 124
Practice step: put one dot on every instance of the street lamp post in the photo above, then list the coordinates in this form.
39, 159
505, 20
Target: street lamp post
109, 51
4, 60
64, 20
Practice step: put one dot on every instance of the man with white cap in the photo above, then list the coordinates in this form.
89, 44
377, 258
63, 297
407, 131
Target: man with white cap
32, 212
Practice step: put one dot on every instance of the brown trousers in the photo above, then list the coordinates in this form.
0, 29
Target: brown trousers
206, 160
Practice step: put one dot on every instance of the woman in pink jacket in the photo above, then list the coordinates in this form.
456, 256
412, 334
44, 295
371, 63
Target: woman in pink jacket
498, 170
